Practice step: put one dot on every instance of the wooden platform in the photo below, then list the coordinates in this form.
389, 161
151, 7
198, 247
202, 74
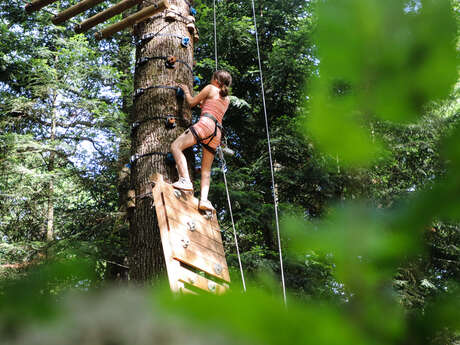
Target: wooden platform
192, 243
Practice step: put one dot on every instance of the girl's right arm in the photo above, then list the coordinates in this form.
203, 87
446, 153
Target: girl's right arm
193, 101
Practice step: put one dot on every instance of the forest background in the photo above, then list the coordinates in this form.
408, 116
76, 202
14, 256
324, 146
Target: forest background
363, 104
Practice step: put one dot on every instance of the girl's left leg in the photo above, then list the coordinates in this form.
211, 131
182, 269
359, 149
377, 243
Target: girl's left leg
206, 164
183, 141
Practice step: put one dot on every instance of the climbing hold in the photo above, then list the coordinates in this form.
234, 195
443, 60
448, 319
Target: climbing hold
177, 193
208, 215
185, 242
185, 42
212, 286
170, 159
180, 93
196, 81
192, 11
171, 122
218, 269
191, 226
170, 62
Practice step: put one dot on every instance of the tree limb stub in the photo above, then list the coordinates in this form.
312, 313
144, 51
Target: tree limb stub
37, 5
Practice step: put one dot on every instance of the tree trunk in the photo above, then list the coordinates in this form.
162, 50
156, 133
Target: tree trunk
146, 253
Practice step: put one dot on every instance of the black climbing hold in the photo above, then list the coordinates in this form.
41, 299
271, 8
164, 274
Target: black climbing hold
180, 93
170, 159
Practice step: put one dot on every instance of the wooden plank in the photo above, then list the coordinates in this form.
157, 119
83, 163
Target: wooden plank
172, 266
199, 257
190, 202
189, 207
72, 11
184, 290
200, 222
189, 277
37, 5
135, 18
176, 239
196, 236
106, 14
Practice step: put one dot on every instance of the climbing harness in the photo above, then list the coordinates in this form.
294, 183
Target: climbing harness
269, 153
209, 138
170, 61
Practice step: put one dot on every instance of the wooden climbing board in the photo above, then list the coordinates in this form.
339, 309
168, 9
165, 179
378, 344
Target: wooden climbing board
192, 241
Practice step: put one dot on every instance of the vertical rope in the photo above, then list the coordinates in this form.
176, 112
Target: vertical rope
215, 35
270, 154
224, 167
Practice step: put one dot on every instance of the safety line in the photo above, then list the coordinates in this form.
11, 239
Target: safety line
270, 154
215, 35
224, 166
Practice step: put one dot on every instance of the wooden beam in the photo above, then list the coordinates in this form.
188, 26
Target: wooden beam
133, 19
37, 5
74, 10
106, 14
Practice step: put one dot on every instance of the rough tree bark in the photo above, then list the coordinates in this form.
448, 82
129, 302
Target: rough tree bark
146, 253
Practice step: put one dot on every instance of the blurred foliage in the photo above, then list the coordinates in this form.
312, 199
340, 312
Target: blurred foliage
364, 118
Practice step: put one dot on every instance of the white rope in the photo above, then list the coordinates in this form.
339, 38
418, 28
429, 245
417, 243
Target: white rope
215, 35
270, 154
224, 167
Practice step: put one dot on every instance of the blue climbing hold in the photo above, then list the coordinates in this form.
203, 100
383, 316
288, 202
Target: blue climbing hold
192, 11
196, 81
185, 42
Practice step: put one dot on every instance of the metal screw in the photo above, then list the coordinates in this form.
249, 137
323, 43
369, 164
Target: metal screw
177, 193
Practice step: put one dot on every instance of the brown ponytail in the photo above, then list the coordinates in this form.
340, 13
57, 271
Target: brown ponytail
224, 79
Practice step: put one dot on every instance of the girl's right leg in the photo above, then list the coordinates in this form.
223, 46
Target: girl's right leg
206, 164
183, 141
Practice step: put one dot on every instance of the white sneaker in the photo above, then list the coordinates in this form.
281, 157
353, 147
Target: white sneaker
205, 205
183, 184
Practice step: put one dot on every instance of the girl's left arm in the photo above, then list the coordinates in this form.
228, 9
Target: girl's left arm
193, 101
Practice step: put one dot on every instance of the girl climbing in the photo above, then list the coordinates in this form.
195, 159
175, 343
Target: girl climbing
207, 132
